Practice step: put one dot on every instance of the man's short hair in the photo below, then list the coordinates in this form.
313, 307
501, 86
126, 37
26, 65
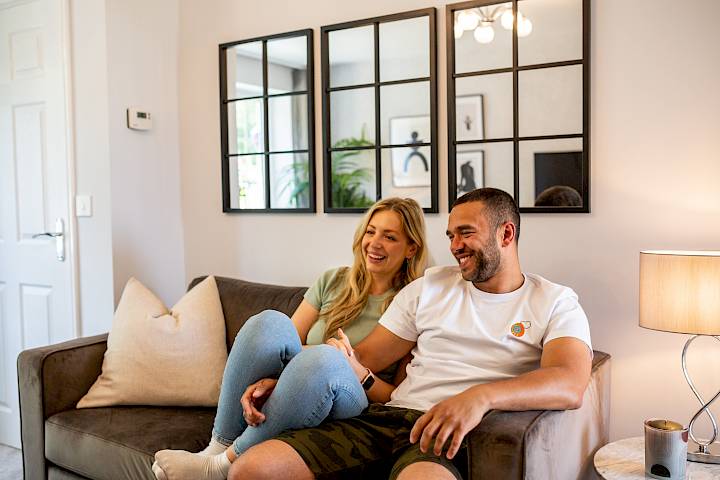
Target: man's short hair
500, 207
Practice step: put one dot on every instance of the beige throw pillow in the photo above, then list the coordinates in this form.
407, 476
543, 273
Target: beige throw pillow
160, 357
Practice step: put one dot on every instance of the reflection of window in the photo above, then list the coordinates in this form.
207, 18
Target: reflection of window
379, 111
267, 124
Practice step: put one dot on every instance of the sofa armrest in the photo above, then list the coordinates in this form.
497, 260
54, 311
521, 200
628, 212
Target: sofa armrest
52, 379
544, 444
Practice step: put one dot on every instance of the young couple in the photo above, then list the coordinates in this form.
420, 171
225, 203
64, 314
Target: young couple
482, 335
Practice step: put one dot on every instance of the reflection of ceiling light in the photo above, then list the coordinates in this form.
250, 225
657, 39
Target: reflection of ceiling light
484, 17
484, 33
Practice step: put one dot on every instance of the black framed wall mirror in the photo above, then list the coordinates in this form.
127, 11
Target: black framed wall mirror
267, 124
518, 101
380, 111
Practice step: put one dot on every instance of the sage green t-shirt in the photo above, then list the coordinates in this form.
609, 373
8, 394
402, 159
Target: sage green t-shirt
323, 293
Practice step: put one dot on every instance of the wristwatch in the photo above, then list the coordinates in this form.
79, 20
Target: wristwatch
368, 381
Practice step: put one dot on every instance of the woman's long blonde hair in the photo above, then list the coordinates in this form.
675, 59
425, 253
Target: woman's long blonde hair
355, 281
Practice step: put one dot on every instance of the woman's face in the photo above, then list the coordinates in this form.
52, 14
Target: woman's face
385, 245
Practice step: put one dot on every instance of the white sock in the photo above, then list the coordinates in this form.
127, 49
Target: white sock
181, 465
214, 448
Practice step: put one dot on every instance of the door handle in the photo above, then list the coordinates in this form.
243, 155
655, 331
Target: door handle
58, 235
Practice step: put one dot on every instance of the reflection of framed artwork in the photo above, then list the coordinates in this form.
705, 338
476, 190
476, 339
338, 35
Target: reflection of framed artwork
469, 123
470, 171
411, 165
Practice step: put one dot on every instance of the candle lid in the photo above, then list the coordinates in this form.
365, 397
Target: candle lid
662, 424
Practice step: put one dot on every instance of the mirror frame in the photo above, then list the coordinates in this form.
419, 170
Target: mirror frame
516, 138
376, 84
225, 155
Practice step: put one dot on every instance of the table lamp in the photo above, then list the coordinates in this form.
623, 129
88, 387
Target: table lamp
680, 293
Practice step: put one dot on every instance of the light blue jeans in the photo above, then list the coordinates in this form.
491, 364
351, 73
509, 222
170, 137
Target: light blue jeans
313, 384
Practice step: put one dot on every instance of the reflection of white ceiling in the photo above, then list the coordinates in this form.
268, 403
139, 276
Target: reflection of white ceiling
398, 40
290, 52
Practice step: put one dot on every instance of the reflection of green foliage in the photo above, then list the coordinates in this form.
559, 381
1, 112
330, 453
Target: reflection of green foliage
299, 176
347, 177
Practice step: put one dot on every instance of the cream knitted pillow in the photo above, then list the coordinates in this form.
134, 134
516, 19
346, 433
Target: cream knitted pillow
160, 357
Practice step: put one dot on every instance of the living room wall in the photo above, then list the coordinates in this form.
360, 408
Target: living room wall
654, 170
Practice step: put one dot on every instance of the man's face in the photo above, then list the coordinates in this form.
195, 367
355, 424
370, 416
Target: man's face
473, 242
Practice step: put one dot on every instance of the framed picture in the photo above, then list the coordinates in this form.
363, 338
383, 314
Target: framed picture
469, 124
470, 171
411, 165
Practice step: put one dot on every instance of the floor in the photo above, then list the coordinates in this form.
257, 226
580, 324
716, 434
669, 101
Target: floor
10, 463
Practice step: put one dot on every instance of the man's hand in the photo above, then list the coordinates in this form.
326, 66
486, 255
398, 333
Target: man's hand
343, 344
454, 417
254, 398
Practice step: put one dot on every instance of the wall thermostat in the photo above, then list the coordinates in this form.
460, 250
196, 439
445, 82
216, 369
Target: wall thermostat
138, 119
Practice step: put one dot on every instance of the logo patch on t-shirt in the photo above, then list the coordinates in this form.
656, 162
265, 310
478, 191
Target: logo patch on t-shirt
518, 329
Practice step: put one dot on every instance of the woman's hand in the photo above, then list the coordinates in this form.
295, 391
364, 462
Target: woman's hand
254, 398
342, 343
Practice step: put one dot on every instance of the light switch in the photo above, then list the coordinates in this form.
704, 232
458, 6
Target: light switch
83, 206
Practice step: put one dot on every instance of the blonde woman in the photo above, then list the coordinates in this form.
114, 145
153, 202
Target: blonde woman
281, 375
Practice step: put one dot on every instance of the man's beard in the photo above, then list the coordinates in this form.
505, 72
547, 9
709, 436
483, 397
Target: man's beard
487, 263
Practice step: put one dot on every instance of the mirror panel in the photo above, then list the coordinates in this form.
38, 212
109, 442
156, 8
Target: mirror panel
244, 70
481, 42
247, 181
351, 56
245, 126
353, 178
287, 123
554, 32
404, 49
551, 173
484, 165
407, 173
287, 65
405, 113
484, 107
551, 101
352, 118
289, 180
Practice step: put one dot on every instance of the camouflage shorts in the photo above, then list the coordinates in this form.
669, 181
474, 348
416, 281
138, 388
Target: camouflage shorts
373, 445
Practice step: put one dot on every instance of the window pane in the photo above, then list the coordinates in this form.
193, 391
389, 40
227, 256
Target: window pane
481, 40
245, 126
244, 70
407, 173
405, 113
485, 165
352, 118
484, 107
405, 49
550, 31
551, 101
551, 173
247, 181
351, 56
289, 180
287, 65
353, 178
288, 123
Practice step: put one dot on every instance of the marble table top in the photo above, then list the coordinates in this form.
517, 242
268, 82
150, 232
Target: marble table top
625, 460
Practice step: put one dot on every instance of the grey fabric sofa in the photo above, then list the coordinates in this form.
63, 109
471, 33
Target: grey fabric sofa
61, 442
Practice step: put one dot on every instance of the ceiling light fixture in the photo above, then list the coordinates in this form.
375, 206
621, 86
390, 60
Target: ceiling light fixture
481, 20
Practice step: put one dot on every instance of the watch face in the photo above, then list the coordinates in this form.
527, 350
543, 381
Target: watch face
369, 382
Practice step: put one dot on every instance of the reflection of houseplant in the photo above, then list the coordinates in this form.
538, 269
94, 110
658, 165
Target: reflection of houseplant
347, 177
299, 181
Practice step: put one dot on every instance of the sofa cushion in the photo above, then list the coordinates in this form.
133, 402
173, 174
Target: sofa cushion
120, 442
157, 356
241, 300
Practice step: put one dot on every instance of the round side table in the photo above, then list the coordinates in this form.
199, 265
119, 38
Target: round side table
625, 460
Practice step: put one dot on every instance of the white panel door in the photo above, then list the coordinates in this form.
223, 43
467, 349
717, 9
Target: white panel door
36, 289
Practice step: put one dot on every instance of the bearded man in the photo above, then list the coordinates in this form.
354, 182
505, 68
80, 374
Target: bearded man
483, 335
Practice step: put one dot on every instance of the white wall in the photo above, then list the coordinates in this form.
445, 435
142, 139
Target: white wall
654, 160
142, 39
92, 163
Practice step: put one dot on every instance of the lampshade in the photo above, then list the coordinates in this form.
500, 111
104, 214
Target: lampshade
680, 291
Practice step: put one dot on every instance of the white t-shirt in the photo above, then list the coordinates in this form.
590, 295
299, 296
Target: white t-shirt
467, 337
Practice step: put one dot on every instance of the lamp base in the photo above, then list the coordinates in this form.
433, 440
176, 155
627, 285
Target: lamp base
694, 455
